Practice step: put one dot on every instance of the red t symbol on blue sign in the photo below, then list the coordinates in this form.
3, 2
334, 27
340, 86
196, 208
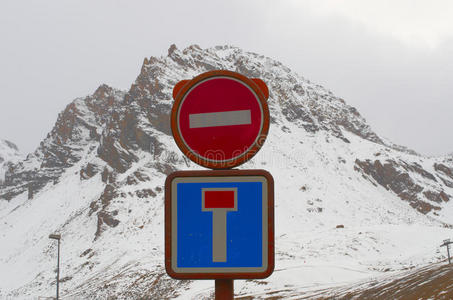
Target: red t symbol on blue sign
219, 201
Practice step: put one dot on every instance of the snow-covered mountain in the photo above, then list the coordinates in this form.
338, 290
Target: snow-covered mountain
9, 153
98, 180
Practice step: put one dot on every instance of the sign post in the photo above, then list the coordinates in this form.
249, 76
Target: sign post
219, 224
224, 289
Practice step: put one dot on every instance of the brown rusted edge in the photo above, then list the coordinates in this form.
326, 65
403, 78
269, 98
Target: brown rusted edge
182, 87
270, 221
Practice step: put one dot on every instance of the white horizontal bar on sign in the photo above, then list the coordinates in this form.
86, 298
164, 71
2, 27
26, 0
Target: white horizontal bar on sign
224, 118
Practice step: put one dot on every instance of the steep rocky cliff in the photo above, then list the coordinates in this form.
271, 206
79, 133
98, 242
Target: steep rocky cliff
9, 154
75, 135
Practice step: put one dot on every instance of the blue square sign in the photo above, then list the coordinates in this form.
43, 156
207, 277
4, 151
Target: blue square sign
219, 224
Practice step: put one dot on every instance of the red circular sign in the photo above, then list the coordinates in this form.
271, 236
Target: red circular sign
220, 119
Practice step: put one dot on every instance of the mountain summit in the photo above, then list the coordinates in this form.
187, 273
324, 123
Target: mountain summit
348, 202
9, 153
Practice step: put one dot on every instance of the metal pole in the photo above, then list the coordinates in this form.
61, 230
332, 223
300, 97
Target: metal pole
224, 289
58, 269
448, 251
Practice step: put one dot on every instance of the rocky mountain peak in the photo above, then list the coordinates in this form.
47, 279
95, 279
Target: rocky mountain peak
116, 126
77, 129
9, 154
103, 91
292, 99
311, 106
172, 49
5, 145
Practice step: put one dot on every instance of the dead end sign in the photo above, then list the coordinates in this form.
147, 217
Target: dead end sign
219, 224
220, 119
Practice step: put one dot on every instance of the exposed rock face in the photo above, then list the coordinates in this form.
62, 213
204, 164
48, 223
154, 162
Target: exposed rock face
88, 171
445, 174
9, 154
401, 178
101, 207
76, 134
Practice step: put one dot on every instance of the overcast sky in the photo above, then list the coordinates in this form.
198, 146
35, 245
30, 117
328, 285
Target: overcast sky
393, 60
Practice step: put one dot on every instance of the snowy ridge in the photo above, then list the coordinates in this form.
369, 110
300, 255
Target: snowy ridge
9, 154
98, 180
76, 132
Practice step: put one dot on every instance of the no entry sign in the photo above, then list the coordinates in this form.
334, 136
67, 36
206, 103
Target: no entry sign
220, 119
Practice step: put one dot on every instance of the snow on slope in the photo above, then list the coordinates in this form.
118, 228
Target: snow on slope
107, 199
9, 153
